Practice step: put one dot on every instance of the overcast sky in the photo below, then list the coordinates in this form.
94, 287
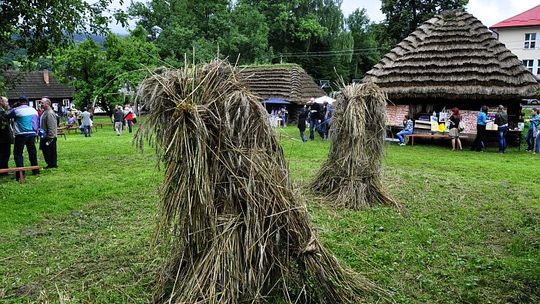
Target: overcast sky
487, 11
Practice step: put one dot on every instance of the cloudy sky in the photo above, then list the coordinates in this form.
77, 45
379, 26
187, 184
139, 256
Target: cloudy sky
487, 11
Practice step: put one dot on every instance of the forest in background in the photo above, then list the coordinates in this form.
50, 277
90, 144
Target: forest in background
312, 33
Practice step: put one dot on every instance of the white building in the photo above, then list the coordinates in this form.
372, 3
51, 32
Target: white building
521, 35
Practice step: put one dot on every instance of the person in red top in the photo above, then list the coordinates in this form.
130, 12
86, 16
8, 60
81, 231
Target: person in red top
129, 116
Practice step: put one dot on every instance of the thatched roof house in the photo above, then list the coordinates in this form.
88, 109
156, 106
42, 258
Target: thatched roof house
453, 57
287, 81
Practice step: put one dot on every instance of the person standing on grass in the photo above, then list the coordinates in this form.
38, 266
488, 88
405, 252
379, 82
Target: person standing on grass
535, 126
285, 116
407, 130
302, 117
49, 126
328, 120
86, 121
501, 119
25, 129
530, 138
479, 141
118, 119
314, 109
6, 136
129, 116
455, 119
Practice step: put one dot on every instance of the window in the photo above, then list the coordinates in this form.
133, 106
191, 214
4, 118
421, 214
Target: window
529, 64
530, 40
538, 68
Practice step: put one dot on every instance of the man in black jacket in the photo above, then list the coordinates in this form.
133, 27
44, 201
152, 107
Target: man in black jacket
6, 136
314, 119
302, 117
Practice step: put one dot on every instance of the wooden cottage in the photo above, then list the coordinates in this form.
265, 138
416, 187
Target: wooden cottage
289, 82
452, 60
38, 84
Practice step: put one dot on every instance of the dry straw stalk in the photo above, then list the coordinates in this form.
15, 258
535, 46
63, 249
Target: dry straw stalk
229, 220
351, 176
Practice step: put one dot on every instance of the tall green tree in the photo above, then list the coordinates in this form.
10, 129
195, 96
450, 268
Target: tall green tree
30, 29
99, 72
81, 66
248, 36
309, 32
367, 49
205, 29
404, 16
39, 25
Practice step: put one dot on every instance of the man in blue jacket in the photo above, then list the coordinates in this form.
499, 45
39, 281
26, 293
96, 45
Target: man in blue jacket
25, 129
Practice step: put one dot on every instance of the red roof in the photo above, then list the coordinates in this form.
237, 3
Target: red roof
528, 18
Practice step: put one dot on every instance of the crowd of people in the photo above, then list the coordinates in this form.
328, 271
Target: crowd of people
318, 117
279, 117
121, 118
456, 127
21, 126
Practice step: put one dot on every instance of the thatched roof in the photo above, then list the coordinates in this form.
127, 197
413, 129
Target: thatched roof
289, 82
452, 56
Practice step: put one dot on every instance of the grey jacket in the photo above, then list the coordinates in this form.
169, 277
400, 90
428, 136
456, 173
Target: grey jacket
48, 123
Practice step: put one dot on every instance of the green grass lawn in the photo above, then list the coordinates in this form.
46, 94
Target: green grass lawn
470, 233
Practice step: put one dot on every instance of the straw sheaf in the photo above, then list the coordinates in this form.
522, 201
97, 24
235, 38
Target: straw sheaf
452, 56
288, 82
231, 226
351, 176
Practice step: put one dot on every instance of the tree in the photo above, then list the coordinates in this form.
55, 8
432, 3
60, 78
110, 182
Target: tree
81, 65
367, 49
31, 29
205, 28
37, 26
404, 16
97, 73
248, 38
310, 33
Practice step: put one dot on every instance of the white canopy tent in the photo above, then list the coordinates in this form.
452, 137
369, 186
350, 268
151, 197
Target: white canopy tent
324, 99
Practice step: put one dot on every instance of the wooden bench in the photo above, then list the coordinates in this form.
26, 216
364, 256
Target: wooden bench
411, 137
68, 129
19, 169
107, 124
60, 132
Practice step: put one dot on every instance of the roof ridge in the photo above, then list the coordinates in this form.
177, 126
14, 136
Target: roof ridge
405, 70
511, 18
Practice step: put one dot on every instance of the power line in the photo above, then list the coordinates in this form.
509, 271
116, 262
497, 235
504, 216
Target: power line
328, 52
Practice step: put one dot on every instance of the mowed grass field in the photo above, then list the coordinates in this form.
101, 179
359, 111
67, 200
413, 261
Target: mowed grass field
470, 232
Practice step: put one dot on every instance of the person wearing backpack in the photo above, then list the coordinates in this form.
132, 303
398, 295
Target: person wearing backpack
456, 127
130, 117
